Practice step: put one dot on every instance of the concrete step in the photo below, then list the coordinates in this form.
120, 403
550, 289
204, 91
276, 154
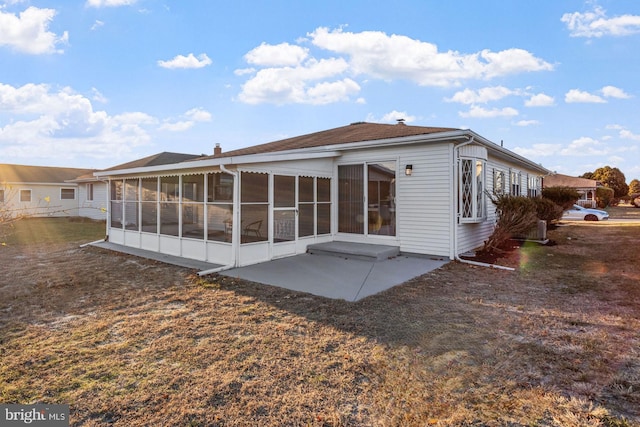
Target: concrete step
355, 250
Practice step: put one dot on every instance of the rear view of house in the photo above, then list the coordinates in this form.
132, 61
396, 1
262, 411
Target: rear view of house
421, 189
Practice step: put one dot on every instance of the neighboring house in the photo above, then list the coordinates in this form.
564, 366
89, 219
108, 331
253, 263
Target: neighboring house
39, 190
586, 188
423, 190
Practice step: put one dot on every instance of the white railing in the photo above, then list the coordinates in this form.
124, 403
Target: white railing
587, 203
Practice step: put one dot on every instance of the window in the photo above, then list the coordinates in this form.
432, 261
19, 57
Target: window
498, 182
67, 194
515, 183
1, 196
219, 207
149, 202
131, 197
306, 206
89, 192
193, 206
323, 190
533, 186
471, 203
25, 195
169, 205
116, 195
254, 213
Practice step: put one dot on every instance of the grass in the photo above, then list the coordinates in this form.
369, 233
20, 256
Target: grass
31, 231
132, 342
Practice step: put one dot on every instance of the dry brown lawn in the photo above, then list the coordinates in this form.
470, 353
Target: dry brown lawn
131, 342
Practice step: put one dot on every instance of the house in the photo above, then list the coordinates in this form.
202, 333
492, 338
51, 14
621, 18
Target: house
40, 191
586, 188
420, 189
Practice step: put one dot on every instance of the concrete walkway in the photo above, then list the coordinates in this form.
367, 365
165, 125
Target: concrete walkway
350, 274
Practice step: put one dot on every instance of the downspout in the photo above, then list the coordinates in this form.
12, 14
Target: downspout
235, 236
456, 155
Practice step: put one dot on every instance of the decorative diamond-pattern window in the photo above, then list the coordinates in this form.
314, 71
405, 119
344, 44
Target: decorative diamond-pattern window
471, 205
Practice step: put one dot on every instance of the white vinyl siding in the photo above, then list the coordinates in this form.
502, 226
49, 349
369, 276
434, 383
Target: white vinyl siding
95, 207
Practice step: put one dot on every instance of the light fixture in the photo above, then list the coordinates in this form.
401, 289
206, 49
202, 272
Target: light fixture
408, 170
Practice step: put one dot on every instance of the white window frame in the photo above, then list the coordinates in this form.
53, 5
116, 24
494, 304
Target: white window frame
90, 192
499, 181
471, 198
22, 199
515, 181
67, 189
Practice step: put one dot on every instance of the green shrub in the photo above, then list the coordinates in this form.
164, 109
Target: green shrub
565, 197
516, 215
604, 196
547, 209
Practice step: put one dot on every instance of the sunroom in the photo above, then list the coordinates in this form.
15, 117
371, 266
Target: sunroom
230, 217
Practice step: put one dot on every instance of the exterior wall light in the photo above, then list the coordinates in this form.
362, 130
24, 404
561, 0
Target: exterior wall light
408, 170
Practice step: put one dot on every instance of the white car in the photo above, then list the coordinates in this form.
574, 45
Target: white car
578, 212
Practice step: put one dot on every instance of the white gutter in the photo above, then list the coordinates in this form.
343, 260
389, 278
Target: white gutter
456, 153
235, 231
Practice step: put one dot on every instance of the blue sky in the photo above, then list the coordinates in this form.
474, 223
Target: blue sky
95, 83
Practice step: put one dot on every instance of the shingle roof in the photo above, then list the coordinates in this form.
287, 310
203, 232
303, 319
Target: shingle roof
355, 132
559, 180
39, 174
164, 158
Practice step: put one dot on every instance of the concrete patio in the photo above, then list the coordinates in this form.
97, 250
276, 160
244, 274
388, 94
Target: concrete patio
338, 270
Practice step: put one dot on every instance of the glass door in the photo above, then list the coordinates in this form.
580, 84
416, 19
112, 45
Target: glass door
378, 209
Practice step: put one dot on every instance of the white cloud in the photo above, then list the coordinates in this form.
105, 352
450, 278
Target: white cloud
198, 115
482, 113
60, 123
584, 146
382, 56
110, 3
97, 96
29, 31
627, 134
524, 123
482, 95
539, 150
189, 61
614, 92
97, 25
595, 23
576, 95
281, 55
287, 73
540, 100
392, 117
300, 84
191, 117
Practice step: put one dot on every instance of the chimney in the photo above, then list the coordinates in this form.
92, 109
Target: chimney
217, 151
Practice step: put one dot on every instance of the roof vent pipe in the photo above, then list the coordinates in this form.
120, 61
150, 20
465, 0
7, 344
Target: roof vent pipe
400, 121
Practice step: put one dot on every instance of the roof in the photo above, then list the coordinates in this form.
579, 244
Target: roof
39, 174
164, 158
355, 132
559, 180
